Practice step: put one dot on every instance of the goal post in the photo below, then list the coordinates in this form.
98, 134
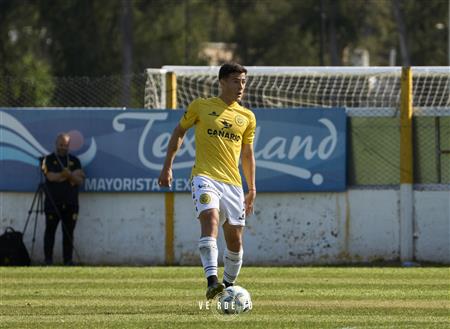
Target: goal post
155, 89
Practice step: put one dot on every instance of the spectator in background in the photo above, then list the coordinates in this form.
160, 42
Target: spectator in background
63, 175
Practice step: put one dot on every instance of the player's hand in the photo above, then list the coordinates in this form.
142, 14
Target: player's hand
249, 201
165, 178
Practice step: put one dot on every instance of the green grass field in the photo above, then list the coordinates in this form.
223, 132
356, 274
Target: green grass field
169, 297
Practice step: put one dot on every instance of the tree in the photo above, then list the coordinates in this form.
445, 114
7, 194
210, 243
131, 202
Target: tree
277, 33
397, 6
127, 49
73, 38
85, 34
25, 73
427, 24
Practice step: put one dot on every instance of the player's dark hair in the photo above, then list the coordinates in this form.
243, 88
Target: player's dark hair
230, 68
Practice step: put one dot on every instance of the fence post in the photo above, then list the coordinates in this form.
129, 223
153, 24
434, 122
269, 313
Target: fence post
406, 168
171, 103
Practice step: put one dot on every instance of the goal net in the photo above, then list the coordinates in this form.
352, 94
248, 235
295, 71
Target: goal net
356, 88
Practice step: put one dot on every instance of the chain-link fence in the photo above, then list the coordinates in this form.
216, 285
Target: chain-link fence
371, 96
108, 91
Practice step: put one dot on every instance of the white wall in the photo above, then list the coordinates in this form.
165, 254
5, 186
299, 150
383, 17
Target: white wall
307, 228
432, 226
287, 228
112, 228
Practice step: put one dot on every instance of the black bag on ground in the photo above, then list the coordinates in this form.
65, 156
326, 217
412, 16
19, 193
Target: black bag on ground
12, 249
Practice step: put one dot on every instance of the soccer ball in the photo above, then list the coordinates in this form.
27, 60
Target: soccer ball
234, 300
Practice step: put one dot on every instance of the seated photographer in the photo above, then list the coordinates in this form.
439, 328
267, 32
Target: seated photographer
63, 175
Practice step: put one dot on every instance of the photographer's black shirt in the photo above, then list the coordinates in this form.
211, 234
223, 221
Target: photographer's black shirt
64, 194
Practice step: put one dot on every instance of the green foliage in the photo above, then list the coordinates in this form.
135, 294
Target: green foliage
377, 28
41, 39
35, 82
85, 36
25, 73
427, 24
278, 33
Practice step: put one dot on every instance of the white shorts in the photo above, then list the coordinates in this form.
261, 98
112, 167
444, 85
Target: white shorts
211, 194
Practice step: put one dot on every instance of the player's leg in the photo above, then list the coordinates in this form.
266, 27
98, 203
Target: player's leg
51, 224
233, 229
209, 223
69, 220
233, 254
206, 201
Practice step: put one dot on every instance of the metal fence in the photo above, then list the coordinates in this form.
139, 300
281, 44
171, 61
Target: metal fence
108, 91
374, 128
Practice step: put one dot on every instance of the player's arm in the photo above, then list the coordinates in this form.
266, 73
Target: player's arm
249, 169
76, 177
56, 177
165, 178
52, 176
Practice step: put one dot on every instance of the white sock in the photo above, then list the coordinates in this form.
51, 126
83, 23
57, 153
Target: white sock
232, 262
209, 254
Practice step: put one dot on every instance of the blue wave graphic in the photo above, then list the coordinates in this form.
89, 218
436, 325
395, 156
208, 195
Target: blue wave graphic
9, 153
17, 143
10, 138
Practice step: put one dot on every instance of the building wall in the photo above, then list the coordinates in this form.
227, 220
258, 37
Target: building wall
287, 228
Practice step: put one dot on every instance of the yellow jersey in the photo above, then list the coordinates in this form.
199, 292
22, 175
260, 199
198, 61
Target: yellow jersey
220, 131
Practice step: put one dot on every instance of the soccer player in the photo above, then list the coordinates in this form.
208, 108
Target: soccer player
224, 131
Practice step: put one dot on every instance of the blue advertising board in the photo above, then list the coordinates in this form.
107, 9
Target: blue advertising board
296, 150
